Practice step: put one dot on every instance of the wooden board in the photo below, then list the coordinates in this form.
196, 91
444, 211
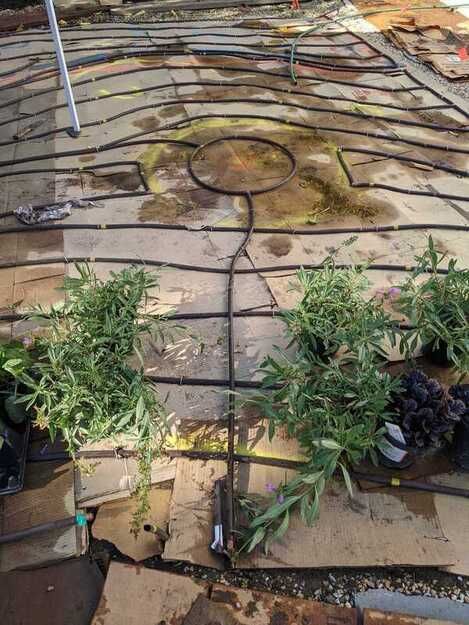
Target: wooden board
112, 523
191, 512
63, 593
48, 495
376, 617
134, 595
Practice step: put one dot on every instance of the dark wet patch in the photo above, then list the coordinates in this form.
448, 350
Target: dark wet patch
332, 197
278, 245
279, 618
164, 209
148, 123
126, 181
87, 158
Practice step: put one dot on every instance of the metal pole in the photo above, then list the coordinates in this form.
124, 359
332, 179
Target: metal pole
75, 130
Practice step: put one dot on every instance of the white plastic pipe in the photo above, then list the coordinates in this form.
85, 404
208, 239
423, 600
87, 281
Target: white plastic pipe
63, 68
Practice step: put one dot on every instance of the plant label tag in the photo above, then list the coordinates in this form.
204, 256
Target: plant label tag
396, 432
388, 449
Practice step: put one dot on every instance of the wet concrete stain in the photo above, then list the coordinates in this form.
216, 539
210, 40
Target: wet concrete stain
332, 197
126, 181
87, 158
278, 245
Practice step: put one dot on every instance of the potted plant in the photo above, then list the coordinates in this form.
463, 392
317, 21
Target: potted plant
460, 392
332, 312
14, 420
426, 413
83, 385
438, 308
334, 409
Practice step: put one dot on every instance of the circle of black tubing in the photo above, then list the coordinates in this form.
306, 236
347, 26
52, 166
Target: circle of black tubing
248, 195
259, 190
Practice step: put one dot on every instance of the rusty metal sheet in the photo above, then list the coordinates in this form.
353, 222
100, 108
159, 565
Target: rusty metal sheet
248, 607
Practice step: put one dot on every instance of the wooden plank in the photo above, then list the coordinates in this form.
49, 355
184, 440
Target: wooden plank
191, 512
113, 524
48, 495
376, 617
134, 595
64, 593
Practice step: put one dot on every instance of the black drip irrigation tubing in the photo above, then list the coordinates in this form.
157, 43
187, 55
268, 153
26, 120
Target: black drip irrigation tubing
254, 56
179, 42
67, 260
162, 226
252, 101
248, 194
278, 120
221, 84
227, 68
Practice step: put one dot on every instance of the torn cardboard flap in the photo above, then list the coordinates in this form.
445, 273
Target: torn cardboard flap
113, 520
109, 479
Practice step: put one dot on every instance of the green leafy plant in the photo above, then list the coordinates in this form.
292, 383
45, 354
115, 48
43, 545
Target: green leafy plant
334, 410
332, 312
83, 385
15, 359
438, 308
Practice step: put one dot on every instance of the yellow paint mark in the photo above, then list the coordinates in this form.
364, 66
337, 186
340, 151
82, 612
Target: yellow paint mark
150, 158
105, 92
368, 109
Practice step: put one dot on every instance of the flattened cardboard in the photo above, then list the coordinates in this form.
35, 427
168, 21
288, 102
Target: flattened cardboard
114, 478
134, 595
63, 593
113, 519
191, 512
48, 495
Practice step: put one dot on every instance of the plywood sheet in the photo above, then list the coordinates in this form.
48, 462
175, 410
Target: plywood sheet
48, 495
63, 593
191, 512
112, 523
134, 595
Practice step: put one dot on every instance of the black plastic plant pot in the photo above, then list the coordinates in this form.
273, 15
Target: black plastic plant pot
439, 355
461, 439
14, 439
315, 346
461, 444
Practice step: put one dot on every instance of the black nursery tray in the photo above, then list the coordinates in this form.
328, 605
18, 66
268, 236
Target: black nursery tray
17, 468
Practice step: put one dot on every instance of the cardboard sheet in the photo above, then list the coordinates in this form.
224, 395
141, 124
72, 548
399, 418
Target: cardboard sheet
113, 519
134, 595
48, 495
191, 512
63, 593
